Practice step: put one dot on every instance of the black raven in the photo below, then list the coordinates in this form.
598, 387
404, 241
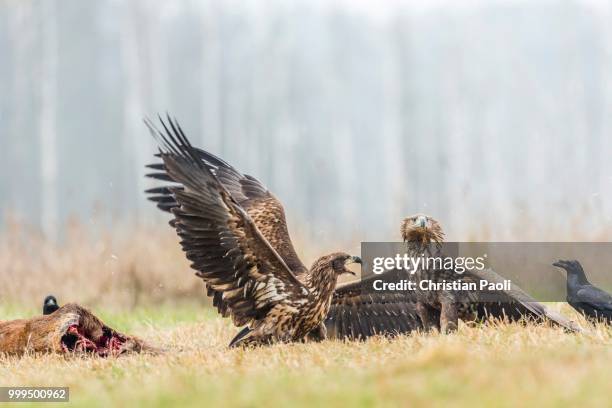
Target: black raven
50, 305
589, 300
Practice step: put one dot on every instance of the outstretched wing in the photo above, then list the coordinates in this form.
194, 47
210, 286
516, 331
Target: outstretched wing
513, 304
224, 245
356, 313
264, 209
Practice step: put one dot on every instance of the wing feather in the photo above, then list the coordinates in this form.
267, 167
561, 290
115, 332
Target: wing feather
513, 303
262, 206
242, 271
596, 298
356, 313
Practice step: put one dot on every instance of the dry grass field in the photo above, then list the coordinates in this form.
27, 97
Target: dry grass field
500, 365
133, 285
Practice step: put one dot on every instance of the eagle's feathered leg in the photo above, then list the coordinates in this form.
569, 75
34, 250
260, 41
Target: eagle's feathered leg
449, 320
318, 334
430, 317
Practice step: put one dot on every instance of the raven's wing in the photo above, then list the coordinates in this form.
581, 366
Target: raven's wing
596, 298
359, 313
263, 207
513, 303
224, 245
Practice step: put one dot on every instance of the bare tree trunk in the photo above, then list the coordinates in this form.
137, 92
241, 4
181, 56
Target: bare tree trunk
20, 40
135, 151
48, 117
213, 80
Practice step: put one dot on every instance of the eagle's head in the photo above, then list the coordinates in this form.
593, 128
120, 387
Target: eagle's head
423, 229
336, 263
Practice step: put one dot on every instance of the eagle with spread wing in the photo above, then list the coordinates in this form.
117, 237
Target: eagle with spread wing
442, 309
352, 314
234, 233
406, 311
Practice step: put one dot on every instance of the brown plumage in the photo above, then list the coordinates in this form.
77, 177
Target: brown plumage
234, 233
356, 313
442, 309
69, 329
421, 229
353, 314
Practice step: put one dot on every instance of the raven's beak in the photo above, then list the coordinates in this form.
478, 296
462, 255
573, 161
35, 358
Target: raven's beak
563, 267
50, 301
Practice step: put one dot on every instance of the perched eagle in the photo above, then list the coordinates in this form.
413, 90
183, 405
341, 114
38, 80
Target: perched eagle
593, 302
352, 314
234, 233
442, 309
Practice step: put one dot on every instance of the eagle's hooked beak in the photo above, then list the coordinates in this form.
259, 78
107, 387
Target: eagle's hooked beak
352, 260
421, 221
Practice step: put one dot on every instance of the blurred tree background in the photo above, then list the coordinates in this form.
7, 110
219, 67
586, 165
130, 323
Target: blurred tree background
493, 116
